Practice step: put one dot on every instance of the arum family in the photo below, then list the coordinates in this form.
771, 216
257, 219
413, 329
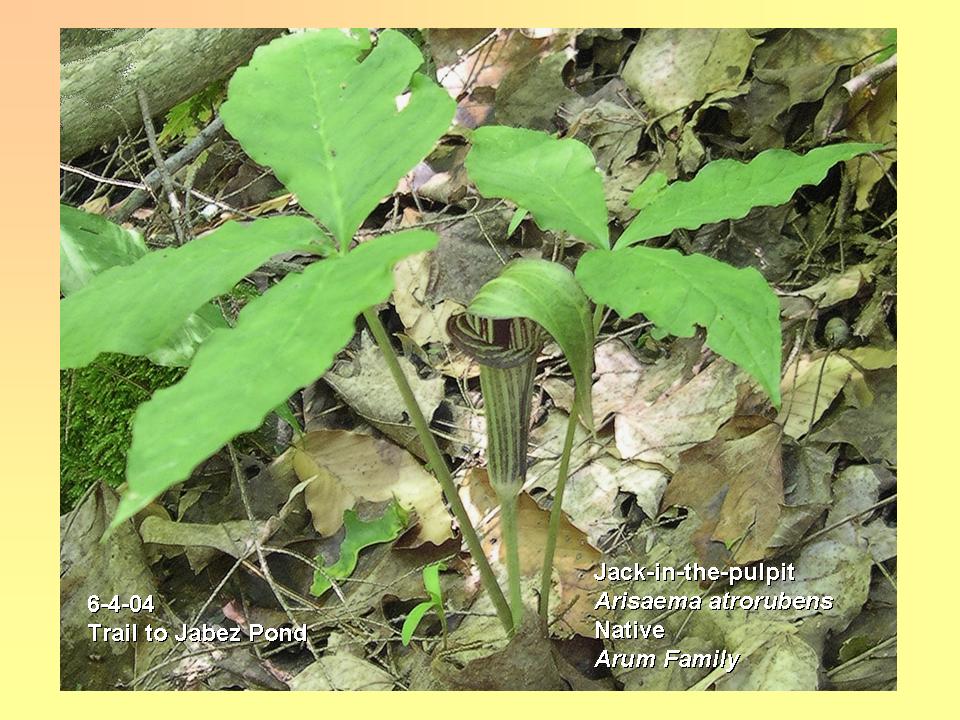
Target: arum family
323, 110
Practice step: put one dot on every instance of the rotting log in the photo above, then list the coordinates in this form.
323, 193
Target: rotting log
101, 70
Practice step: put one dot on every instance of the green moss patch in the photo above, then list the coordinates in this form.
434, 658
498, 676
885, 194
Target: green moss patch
97, 404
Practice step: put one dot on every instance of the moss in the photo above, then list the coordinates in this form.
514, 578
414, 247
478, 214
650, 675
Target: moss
97, 404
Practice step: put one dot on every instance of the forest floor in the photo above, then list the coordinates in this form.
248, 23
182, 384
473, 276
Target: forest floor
646, 488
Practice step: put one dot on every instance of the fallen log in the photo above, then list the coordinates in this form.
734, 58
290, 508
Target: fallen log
101, 70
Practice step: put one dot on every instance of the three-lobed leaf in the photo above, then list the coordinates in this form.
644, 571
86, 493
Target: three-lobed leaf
282, 341
678, 292
728, 189
330, 125
557, 181
547, 293
136, 309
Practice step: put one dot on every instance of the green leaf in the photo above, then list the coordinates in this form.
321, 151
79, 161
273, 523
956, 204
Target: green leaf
180, 348
413, 621
136, 309
890, 38
90, 244
677, 292
283, 340
328, 125
648, 190
518, 215
431, 581
359, 535
547, 293
556, 180
728, 189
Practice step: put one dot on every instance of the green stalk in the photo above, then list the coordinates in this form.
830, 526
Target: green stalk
508, 532
598, 312
507, 395
555, 513
440, 470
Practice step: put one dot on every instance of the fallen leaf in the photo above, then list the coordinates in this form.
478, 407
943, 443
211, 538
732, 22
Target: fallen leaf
836, 288
573, 612
805, 61
365, 384
88, 568
200, 541
671, 69
856, 490
531, 95
874, 119
425, 322
735, 484
351, 467
658, 431
624, 384
591, 499
612, 131
473, 62
872, 428
342, 671
777, 658
810, 386
808, 389
807, 472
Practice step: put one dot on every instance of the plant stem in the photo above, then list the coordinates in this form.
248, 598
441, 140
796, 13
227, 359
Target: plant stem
555, 513
440, 470
509, 537
598, 312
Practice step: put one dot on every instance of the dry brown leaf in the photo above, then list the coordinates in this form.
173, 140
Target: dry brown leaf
597, 477
811, 385
572, 563
471, 61
836, 288
624, 382
658, 431
365, 384
591, 497
424, 322
734, 482
348, 467
875, 120
808, 388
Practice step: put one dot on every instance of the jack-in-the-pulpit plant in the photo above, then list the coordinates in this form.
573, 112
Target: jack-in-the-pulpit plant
506, 351
340, 119
323, 110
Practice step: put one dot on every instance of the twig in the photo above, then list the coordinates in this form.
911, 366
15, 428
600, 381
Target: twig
844, 521
863, 656
873, 76
100, 178
258, 545
165, 178
175, 162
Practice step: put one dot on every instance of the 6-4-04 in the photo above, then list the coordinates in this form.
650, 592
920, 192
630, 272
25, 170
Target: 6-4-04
133, 603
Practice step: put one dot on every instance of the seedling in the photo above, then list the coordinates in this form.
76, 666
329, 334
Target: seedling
340, 122
431, 582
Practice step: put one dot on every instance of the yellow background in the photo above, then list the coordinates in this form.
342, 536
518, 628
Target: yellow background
928, 273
